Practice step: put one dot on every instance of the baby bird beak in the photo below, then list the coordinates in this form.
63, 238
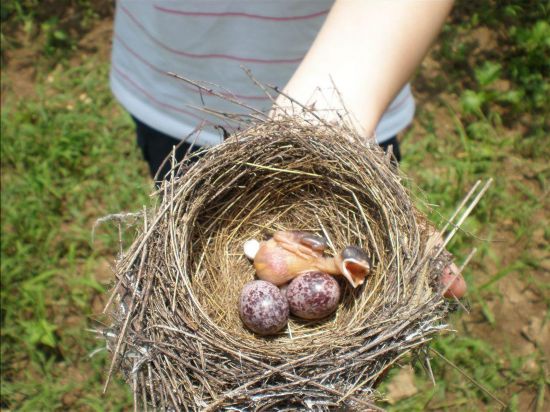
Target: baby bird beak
354, 264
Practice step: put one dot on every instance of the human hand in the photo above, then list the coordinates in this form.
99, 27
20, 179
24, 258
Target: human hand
454, 285
453, 282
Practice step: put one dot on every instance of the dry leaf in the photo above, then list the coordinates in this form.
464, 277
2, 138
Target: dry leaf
402, 385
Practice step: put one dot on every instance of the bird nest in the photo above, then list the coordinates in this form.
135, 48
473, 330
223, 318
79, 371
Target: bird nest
176, 334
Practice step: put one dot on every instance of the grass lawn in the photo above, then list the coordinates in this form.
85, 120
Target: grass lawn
68, 157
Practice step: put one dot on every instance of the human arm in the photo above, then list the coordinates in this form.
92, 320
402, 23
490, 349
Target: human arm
368, 50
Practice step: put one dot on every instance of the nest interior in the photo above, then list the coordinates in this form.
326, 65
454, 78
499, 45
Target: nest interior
176, 332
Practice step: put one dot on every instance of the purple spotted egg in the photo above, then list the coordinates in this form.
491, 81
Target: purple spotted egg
263, 308
313, 295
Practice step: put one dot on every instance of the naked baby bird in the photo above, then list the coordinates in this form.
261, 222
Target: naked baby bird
288, 254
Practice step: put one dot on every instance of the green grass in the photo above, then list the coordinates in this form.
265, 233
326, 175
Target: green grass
68, 157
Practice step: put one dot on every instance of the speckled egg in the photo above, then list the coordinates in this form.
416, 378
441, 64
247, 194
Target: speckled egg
263, 308
313, 295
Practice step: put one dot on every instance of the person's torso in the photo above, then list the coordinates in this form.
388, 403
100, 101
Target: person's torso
210, 42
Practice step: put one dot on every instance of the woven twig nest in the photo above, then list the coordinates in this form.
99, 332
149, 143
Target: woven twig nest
176, 333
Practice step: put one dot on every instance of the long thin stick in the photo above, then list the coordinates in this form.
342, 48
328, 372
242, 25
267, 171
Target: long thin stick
217, 94
461, 205
465, 215
479, 385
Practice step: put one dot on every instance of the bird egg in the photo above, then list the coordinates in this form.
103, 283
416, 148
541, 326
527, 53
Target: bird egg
313, 295
263, 308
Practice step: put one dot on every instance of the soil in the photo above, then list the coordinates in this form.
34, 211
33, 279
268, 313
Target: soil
20, 65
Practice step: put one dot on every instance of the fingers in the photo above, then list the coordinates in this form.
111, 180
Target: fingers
453, 282
451, 279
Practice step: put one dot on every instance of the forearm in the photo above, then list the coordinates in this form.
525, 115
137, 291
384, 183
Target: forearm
368, 50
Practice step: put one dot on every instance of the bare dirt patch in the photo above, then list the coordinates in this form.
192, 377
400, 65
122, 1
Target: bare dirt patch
21, 64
